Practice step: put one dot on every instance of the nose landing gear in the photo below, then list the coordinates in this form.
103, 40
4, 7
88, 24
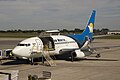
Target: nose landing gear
31, 61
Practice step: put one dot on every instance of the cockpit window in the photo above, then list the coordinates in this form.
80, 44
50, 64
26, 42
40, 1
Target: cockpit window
23, 45
28, 44
20, 45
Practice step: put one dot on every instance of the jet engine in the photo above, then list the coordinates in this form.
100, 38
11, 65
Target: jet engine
78, 54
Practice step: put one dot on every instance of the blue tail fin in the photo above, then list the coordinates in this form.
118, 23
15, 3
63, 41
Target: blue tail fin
90, 26
87, 33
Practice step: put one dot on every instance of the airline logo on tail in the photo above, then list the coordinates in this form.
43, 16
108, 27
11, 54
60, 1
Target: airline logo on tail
90, 26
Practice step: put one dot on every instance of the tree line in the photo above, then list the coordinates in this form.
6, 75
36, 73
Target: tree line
63, 31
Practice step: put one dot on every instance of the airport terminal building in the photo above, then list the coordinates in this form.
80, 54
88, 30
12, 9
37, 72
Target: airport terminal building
114, 32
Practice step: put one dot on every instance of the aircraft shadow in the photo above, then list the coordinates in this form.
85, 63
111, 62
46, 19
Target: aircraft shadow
19, 62
85, 59
67, 58
15, 62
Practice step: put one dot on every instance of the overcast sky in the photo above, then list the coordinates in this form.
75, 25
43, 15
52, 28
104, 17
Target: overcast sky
58, 14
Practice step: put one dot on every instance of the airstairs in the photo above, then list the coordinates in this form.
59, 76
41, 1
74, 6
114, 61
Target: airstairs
46, 55
94, 51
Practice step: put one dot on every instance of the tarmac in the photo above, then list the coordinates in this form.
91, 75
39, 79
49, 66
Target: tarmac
107, 67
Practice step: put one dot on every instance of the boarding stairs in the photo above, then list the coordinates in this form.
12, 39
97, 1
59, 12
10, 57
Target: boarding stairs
49, 60
94, 51
46, 55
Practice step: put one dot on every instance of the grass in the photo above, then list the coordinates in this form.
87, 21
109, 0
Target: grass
33, 34
17, 35
110, 37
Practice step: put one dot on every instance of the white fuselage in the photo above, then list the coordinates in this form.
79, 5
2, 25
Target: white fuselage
63, 42
36, 46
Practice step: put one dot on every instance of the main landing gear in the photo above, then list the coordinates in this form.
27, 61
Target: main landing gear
98, 55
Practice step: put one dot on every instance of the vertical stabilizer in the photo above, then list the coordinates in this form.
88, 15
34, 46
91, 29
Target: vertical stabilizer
87, 34
90, 26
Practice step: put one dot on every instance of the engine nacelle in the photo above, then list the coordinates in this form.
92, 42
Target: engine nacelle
78, 54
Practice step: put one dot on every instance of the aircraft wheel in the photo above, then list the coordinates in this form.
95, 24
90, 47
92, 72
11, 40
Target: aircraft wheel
72, 57
98, 55
31, 61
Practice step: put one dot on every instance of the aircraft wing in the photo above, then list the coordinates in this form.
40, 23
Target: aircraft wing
93, 48
104, 47
97, 36
68, 49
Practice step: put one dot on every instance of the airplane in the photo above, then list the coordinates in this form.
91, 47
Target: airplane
74, 44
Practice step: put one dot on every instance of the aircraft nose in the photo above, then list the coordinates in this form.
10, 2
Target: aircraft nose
21, 51
15, 51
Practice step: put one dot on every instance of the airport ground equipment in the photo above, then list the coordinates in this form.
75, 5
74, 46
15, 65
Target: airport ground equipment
9, 74
0, 53
5, 54
93, 51
46, 75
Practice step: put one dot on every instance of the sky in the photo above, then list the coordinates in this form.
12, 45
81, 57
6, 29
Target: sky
58, 14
